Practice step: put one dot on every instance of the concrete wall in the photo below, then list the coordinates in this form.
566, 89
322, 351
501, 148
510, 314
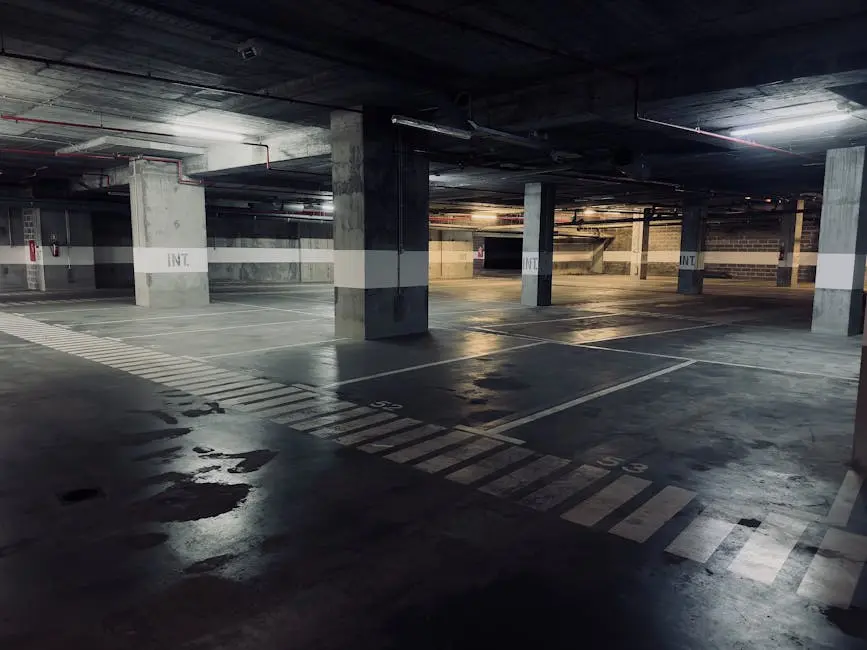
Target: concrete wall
73, 267
13, 252
450, 255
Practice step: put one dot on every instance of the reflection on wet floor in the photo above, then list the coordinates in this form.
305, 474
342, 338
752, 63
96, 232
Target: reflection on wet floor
665, 471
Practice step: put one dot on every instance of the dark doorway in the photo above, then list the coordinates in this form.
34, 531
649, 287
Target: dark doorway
503, 253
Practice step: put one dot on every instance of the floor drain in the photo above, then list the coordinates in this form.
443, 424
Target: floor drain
79, 495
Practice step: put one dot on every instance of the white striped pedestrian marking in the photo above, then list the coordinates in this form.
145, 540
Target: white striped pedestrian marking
428, 447
561, 489
452, 457
156, 372
352, 425
278, 405
322, 406
489, 465
193, 372
592, 510
834, 572
700, 540
403, 438
316, 423
249, 392
539, 468
377, 432
650, 517
209, 386
768, 548
845, 501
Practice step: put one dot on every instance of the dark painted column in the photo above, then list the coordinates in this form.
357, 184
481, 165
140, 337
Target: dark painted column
791, 227
537, 259
859, 445
640, 245
690, 275
842, 244
380, 228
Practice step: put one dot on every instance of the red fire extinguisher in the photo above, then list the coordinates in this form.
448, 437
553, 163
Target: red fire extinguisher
55, 247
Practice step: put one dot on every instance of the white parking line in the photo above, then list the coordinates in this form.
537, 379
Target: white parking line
845, 501
276, 347
217, 329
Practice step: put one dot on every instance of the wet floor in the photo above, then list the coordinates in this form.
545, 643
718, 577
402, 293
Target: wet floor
628, 468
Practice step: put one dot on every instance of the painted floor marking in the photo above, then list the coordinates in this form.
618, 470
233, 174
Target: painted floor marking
399, 439
377, 432
489, 465
332, 419
700, 540
564, 487
452, 457
217, 329
389, 373
428, 447
352, 425
514, 481
587, 398
278, 405
595, 508
239, 388
654, 514
188, 373
270, 349
305, 411
248, 393
845, 501
832, 576
768, 548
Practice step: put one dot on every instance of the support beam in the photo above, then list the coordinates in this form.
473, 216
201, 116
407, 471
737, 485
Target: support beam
640, 246
537, 259
170, 257
380, 228
791, 227
690, 275
837, 301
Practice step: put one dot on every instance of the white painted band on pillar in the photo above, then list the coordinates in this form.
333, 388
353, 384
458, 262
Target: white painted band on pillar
532, 261
690, 261
360, 269
170, 260
786, 262
840, 271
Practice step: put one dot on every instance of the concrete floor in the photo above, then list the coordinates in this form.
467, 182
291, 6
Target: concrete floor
629, 468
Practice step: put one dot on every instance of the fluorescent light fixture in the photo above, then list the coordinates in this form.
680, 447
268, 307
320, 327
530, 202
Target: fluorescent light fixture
413, 123
327, 207
206, 134
483, 216
589, 211
790, 125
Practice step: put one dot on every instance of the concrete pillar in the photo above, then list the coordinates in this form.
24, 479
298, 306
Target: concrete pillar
640, 246
380, 228
170, 258
842, 244
791, 227
537, 260
690, 275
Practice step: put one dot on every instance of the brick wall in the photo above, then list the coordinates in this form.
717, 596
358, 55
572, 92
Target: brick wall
663, 238
742, 271
722, 237
622, 238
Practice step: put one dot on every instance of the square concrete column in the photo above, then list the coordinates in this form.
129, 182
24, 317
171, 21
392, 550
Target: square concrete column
537, 259
791, 228
640, 246
690, 275
170, 258
842, 244
380, 227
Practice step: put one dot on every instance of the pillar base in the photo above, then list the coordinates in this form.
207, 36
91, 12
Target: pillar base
690, 282
784, 276
536, 290
165, 290
838, 311
366, 314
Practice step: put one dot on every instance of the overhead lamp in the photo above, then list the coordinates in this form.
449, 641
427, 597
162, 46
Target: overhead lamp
589, 211
790, 125
483, 216
411, 122
206, 134
328, 207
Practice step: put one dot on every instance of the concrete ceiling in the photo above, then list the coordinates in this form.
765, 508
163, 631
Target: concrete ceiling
566, 73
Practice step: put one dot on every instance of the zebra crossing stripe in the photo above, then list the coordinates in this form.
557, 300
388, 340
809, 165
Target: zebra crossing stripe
189, 372
352, 425
700, 540
306, 411
157, 371
646, 520
832, 576
428, 446
452, 457
248, 391
402, 438
489, 465
316, 423
561, 489
273, 406
205, 387
377, 432
539, 468
768, 548
595, 508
